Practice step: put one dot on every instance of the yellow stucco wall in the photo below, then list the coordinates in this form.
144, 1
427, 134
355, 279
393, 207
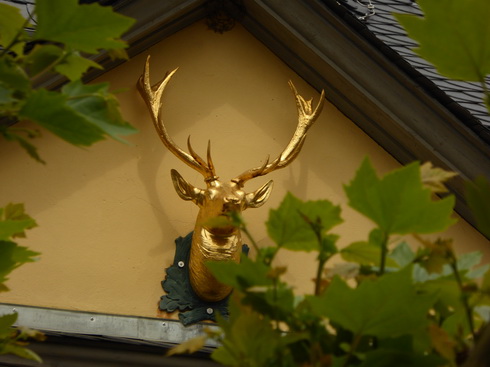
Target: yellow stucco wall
109, 215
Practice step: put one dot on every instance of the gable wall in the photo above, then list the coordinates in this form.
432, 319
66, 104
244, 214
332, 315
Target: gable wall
109, 215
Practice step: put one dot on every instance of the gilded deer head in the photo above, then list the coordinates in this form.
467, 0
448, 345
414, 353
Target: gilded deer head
219, 198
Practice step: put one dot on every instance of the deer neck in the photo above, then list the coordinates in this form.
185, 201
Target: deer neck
207, 246
217, 247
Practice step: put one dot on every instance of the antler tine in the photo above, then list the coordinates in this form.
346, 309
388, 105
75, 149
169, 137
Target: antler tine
256, 172
210, 161
306, 118
209, 172
152, 94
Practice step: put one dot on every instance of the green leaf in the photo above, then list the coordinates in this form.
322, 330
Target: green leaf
469, 260
12, 256
81, 115
448, 303
402, 254
51, 110
11, 23
398, 202
266, 254
241, 276
289, 229
8, 345
14, 221
386, 307
455, 39
14, 228
250, 340
20, 351
364, 253
42, 58
118, 54
13, 134
74, 66
275, 302
436, 254
189, 346
6, 323
457, 324
99, 107
443, 343
478, 198
5, 95
86, 28
12, 76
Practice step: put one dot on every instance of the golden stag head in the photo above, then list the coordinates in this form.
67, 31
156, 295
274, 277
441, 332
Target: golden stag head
210, 242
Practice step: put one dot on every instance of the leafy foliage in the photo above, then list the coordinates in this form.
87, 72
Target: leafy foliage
389, 304
287, 227
66, 34
13, 223
13, 341
384, 307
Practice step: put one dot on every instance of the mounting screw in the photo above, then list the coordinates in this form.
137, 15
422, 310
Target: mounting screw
209, 311
181, 264
92, 319
164, 324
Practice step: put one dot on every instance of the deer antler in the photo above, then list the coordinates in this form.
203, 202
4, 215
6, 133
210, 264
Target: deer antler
306, 118
152, 94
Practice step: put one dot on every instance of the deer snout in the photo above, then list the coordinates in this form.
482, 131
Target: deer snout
231, 206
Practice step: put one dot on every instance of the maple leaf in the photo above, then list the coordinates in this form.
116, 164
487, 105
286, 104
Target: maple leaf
456, 40
385, 307
290, 225
398, 202
86, 27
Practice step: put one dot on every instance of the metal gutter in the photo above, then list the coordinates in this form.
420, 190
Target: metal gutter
129, 329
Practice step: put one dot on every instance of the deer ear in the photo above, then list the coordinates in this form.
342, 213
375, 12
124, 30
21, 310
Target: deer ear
260, 196
185, 190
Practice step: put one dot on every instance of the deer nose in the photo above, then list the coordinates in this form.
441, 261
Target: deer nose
232, 200
231, 204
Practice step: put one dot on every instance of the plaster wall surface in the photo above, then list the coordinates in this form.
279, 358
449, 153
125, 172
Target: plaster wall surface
108, 215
